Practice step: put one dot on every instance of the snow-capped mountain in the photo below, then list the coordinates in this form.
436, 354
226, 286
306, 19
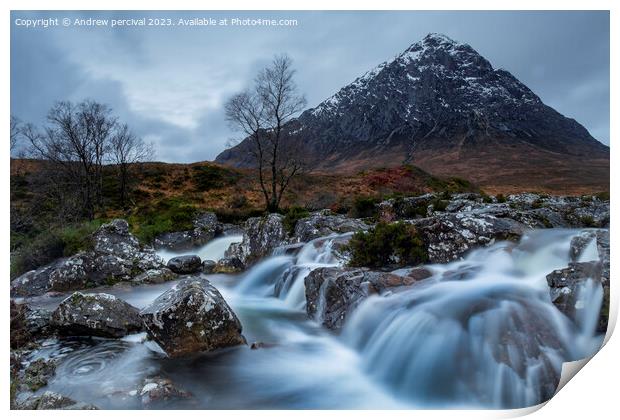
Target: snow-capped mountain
441, 106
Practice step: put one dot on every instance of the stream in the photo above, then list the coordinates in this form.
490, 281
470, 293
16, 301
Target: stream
480, 333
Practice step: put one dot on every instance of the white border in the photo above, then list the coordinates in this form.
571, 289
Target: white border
591, 395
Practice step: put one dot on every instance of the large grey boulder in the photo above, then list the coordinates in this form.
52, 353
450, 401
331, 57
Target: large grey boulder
206, 227
114, 239
325, 223
567, 286
115, 256
448, 236
192, 317
185, 264
261, 236
95, 314
332, 293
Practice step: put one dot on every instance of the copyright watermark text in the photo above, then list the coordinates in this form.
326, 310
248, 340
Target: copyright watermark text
152, 22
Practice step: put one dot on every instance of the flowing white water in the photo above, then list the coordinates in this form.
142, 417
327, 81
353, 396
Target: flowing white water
213, 250
289, 286
481, 332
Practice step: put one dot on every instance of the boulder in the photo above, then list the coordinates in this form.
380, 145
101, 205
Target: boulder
185, 264
206, 227
192, 317
157, 392
566, 285
155, 276
95, 314
38, 373
448, 236
405, 208
114, 239
208, 266
27, 324
325, 223
228, 266
332, 293
115, 256
53, 401
37, 321
261, 236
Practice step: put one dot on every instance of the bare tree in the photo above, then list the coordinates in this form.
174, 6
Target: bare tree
244, 112
126, 150
76, 142
262, 114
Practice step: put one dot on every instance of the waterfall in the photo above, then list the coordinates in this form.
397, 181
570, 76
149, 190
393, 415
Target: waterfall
212, 250
480, 332
283, 276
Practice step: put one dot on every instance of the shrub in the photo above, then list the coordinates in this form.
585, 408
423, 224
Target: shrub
46, 246
500, 198
364, 207
292, 216
486, 198
167, 215
42, 250
387, 244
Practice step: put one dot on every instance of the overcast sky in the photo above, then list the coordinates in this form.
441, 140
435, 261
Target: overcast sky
169, 83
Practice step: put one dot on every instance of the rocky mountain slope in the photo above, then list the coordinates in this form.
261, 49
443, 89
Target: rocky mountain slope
443, 107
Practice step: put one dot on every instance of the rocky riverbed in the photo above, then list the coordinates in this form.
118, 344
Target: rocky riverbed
239, 305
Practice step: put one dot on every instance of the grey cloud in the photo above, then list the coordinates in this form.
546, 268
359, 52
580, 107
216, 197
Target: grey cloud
170, 84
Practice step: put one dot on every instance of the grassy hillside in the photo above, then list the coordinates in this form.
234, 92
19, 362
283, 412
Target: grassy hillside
165, 197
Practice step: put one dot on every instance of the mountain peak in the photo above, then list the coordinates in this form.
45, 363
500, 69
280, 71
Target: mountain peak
438, 104
437, 38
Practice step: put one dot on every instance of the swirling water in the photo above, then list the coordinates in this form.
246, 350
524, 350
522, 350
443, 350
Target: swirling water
481, 332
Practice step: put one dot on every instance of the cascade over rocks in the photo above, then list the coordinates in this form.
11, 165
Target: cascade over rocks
206, 227
95, 314
192, 317
116, 256
568, 286
261, 236
332, 293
